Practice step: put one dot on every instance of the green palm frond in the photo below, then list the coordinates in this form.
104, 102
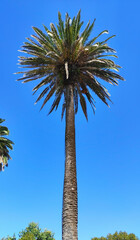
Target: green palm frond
5, 145
64, 56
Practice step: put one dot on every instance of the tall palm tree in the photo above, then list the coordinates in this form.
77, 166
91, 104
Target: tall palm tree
69, 67
5, 145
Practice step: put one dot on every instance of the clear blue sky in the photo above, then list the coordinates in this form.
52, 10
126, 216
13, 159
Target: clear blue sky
108, 146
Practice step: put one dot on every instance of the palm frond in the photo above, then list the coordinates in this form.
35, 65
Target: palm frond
82, 102
56, 101
49, 95
87, 31
75, 93
95, 38
5, 145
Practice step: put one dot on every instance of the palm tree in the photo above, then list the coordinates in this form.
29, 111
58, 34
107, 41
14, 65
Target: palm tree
5, 145
69, 67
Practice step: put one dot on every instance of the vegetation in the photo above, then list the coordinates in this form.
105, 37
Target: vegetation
9, 238
32, 232
118, 236
5, 145
69, 67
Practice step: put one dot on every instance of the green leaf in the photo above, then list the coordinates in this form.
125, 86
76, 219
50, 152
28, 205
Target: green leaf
95, 38
49, 96
82, 102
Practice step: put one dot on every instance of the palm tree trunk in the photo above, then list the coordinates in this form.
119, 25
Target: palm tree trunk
70, 208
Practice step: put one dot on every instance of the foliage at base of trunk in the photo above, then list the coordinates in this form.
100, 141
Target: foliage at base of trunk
118, 236
32, 232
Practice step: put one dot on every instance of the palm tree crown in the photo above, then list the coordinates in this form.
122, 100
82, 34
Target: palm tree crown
64, 56
5, 145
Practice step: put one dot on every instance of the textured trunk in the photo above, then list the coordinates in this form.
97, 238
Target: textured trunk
70, 211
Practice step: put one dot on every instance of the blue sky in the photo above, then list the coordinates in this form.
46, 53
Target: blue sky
107, 146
